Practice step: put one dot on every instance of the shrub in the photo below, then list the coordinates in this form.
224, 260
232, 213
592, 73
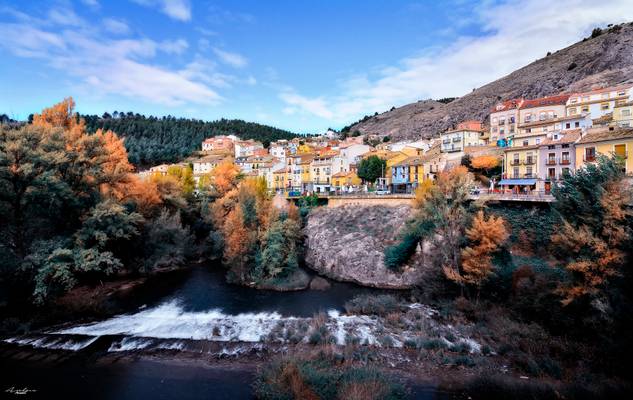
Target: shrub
371, 304
434, 344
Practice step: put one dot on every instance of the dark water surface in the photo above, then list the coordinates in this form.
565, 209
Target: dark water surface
95, 373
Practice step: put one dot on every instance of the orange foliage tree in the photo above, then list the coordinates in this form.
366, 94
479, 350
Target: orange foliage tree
486, 235
596, 256
485, 162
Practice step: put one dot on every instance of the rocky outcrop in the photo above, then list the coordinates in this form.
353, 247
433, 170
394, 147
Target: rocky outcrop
605, 60
347, 243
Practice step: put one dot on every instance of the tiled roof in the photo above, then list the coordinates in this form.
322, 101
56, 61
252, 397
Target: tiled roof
567, 137
560, 99
604, 134
606, 89
518, 148
506, 105
552, 120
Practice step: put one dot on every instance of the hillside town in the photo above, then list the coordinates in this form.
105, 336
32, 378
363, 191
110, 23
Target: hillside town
535, 142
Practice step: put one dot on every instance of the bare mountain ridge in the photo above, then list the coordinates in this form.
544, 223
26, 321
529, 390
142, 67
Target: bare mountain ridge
605, 60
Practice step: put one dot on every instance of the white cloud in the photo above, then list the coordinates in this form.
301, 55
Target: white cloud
64, 16
174, 46
232, 59
116, 26
105, 65
177, 9
516, 33
94, 4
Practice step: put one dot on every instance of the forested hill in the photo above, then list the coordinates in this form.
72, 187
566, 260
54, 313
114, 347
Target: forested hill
153, 140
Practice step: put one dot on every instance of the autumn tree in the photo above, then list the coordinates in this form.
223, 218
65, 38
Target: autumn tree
485, 236
595, 238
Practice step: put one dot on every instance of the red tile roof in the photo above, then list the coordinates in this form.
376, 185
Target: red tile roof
507, 105
560, 99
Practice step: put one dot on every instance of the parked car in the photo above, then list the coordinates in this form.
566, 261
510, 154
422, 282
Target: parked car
382, 191
294, 194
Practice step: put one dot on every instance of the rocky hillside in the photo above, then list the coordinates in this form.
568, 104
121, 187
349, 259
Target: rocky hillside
353, 250
604, 60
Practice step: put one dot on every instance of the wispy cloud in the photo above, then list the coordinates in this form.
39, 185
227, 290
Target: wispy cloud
116, 26
108, 66
177, 9
94, 4
174, 46
233, 59
515, 34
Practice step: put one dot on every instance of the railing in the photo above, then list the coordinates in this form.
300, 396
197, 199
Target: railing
589, 158
530, 161
550, 161
515, 162
457, 139
447, 141
565, 161
529, 175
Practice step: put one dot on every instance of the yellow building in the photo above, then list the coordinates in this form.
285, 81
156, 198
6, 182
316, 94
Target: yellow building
342, 181
623, 115
521, 162
607, 141
279, 179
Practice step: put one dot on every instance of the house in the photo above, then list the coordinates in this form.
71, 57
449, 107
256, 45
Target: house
623, 115
219, 143
298, 172
205, 165
406, 175
345, 181
467, 133
347, 156
608, 141
245, 148
159, 170
279, 149
599, 102
278, 178
504, 117
321, 172
557, 156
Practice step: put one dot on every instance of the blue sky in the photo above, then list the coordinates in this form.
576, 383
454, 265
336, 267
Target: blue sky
300, 65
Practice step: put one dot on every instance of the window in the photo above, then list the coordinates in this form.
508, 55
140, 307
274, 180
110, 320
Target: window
567, 125
551, 147
551, 173
525, 143
565, 146
622, 93
529, 130
565, 171
590, 154
573, 100
604, 106
515, 172
542, 115
527, 118
528, 172
577, 124
565, 157
502, 121
620, 150
585, 108
620, 102
626, 113
544, 129
538, 140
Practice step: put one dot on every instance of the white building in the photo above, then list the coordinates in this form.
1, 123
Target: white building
245, 148
599, 102
347, 156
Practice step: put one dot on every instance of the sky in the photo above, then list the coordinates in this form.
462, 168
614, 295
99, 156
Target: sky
302, 65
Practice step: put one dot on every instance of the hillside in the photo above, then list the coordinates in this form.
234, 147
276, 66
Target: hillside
604, 60
153, 140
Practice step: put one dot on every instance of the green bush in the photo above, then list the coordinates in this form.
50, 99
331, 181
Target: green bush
371, 304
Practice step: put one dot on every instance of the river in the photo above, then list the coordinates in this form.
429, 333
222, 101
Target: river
198, 313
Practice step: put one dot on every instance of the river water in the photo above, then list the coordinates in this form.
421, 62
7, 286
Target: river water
199, 314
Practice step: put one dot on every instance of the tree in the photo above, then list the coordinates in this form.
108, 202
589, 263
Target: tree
225, 177
485, 163
595, 238
371, 168
485, 235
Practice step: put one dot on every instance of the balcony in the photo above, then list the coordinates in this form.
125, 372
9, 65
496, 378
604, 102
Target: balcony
550, 161
515, 162
457, 139
529, 175
447, 141
565, 161
529, 161
589, 158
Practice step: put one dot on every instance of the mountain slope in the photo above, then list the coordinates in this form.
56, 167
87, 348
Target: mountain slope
605, 60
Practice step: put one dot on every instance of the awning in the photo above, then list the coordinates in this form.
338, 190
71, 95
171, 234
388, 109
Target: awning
527, 182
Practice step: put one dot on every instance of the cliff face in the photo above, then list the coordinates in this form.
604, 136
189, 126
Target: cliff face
605, 60
347, 243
